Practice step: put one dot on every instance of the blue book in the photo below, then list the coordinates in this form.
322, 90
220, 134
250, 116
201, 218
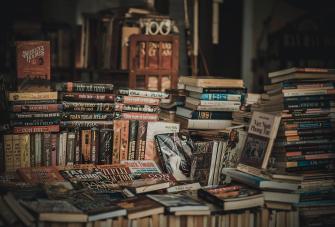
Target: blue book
217, 96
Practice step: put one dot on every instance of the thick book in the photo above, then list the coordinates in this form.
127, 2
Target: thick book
211, 82
33, 65
178, 202
202, 123
231, 197
55, 211
116, 173
203, 115
84, 87
259, 142
175, 151
140, 207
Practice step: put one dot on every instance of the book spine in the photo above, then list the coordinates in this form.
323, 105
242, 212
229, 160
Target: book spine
53, 149
16, 151
2, 154
299, 85
210, 198
60, 148
37, 108
220, 97
116, 142
17, 123
86, 124
77, 156
143, 93
207, 115
87, 116
136, 108
311, 157
296, 92
308, 98
308, 163
309, 132
162, 160
35, 129
31, 96
46, 149
34, 115
84, 87
70, 148
38, 149
31, 102
141, 140
309, 105
9, 153
124, 139
133, 128
137, 100
222, 90
219, 103
105, 146
32, 150
86, 138
95, 145
308, 125
25, 150
88, 107
87, 97
137, 116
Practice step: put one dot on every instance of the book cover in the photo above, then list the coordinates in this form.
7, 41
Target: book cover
155, 128
9, 153
138, 167
86, 139
84, 87
105, 146
87, 97
141, 140
133, 129
175, 151
40, 175
116, 173
94, 145
259, 142
178, 202
120, 140
33, 65
211, 82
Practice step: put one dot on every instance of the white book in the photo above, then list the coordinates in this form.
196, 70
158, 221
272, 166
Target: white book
208, 124
195, 101
213, 160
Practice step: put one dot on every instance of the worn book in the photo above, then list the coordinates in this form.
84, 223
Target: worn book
55, 211
143, 93
145, 185
16, 97
232, 197
208, 81
140, 206
33, 65
84, 87
175, 151
138, 167
205, 124
262, 133
40, 174
178, 202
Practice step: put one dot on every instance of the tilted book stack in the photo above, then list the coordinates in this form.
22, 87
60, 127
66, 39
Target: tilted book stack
305, 143
210, 102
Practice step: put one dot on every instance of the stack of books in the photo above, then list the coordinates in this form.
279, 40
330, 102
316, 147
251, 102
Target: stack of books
305, 143
169, 106
210, 102
34, 123
243, 116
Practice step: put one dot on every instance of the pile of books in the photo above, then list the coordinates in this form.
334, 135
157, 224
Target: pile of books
169, 106
210, 102
34, 124
304, 149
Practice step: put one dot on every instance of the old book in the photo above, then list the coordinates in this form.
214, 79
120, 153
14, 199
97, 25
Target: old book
232, 197
211, 82
53, 149
139, 167
46, 149
137, 116
25, 150
84, 87
37, 108
87, 116
178, 202
31, 96
35, 129
186, 123
141, 140
120, 140
94, 145
17, 151
70, 148
145, 185
105, 146
55, 211
86, 139
87, 97
155, 128
143, 93
259, 142
175, 151
116, 173
33, 65
141, 206
133, 128
9, 153
40, 174
121, 107
86, 124
88, 106
137, 100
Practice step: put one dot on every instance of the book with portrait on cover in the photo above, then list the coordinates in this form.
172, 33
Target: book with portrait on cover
260, 139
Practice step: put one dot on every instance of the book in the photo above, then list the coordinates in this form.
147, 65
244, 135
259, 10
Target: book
178, 202
216, 96
211, 82
154, 128
133, 129
55, 211
195, 101
175, 151
259, 182
145, 185
33, 65
259, 142
87, 97
84, 87
141, 206
143, 93
141, 140
240, 198
184, 186
31, 96
40, 174
204, 115
216, 90
139, 167
281, 197
186, 123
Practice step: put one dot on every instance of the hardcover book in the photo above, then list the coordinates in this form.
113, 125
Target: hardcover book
259, 142
33, 65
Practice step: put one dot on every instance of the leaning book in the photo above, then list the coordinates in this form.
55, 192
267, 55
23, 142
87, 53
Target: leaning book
260, 139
